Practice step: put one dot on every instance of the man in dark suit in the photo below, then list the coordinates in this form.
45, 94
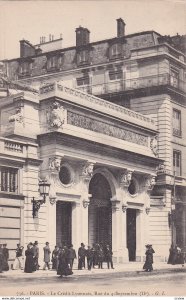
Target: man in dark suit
108, 257
5, 258
71, 256
36, 255
81, 257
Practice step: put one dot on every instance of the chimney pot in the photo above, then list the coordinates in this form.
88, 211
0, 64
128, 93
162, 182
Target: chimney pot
82, 36
120, 27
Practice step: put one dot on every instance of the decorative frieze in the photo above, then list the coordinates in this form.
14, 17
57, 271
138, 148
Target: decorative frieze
14, 147
46, 88
104, 103
105, 128
56, 115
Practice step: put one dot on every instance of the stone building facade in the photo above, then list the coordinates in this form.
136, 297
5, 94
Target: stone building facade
140, 76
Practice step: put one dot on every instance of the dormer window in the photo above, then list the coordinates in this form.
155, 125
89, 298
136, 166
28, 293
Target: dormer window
83, 57
54, 62
115, 51
25, 68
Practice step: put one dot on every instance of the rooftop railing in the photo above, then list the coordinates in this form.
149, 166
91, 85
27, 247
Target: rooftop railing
114, 86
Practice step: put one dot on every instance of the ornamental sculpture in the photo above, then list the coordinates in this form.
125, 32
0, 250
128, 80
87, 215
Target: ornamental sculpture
125, 178
18, 116
154, 145
56, 115
86, 203
150, 182
88, 169
55, 163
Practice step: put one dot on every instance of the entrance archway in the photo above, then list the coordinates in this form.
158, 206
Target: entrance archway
100, 211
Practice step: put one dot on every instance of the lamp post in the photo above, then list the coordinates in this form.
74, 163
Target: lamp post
44, 187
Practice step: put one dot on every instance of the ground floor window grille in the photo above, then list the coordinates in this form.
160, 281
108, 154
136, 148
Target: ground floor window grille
9, 178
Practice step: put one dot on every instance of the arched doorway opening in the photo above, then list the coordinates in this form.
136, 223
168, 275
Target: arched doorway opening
100, 211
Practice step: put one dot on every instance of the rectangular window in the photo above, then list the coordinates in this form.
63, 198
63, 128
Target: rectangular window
113, 75
177, 162
176, 122
83, 81
174, 78
9, 180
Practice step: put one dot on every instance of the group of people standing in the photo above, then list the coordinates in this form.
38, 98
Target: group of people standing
4, 256
95, 256
176, 255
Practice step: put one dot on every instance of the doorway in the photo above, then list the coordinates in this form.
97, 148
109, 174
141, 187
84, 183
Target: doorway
131, 233
100, 211
63, 223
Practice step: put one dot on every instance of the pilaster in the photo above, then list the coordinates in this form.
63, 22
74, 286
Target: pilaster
140, 235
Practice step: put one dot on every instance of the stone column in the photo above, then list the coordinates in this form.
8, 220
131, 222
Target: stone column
84, 221
86, 175
115, 229
140, 246
76, 224
123, 235
124, 181
51, 220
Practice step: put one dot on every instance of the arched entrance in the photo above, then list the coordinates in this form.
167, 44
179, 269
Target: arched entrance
100, 211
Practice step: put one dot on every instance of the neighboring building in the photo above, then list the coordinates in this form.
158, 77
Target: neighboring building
143, 72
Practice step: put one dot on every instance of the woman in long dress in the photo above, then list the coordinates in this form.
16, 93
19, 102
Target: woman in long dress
63, 266
29, 262
149, 258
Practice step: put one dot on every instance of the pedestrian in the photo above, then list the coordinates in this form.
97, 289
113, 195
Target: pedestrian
100, 258
71, 255
29, 262
47, 252
63, 266
108, 256
149, 258
81, 257
55, 253
5, 258
1, 259
171, 254
89, 255
35, 250
19, 258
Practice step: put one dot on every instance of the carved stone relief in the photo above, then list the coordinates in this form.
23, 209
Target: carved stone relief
18, 116
56, 115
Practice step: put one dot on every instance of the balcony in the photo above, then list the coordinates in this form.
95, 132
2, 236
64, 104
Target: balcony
154, 81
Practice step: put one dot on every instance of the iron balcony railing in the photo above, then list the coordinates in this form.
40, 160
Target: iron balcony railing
119, 85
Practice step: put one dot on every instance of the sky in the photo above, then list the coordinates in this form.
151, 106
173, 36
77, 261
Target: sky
32, 19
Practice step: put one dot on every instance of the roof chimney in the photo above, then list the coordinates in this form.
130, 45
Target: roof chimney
120, 27
82, 36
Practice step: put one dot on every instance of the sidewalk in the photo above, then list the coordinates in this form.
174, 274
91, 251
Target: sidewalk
130, 269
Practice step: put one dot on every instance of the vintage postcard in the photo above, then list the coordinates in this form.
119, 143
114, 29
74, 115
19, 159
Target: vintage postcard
93, 148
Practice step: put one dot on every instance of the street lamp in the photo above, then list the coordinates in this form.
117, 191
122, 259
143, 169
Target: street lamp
44, 187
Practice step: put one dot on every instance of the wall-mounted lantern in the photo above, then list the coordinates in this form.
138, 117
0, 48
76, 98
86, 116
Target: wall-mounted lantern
44, 187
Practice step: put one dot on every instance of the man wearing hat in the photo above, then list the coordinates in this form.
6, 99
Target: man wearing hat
5, 258
81, 257
36, 255
47, 252
19, 257
71, 256
149, 258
